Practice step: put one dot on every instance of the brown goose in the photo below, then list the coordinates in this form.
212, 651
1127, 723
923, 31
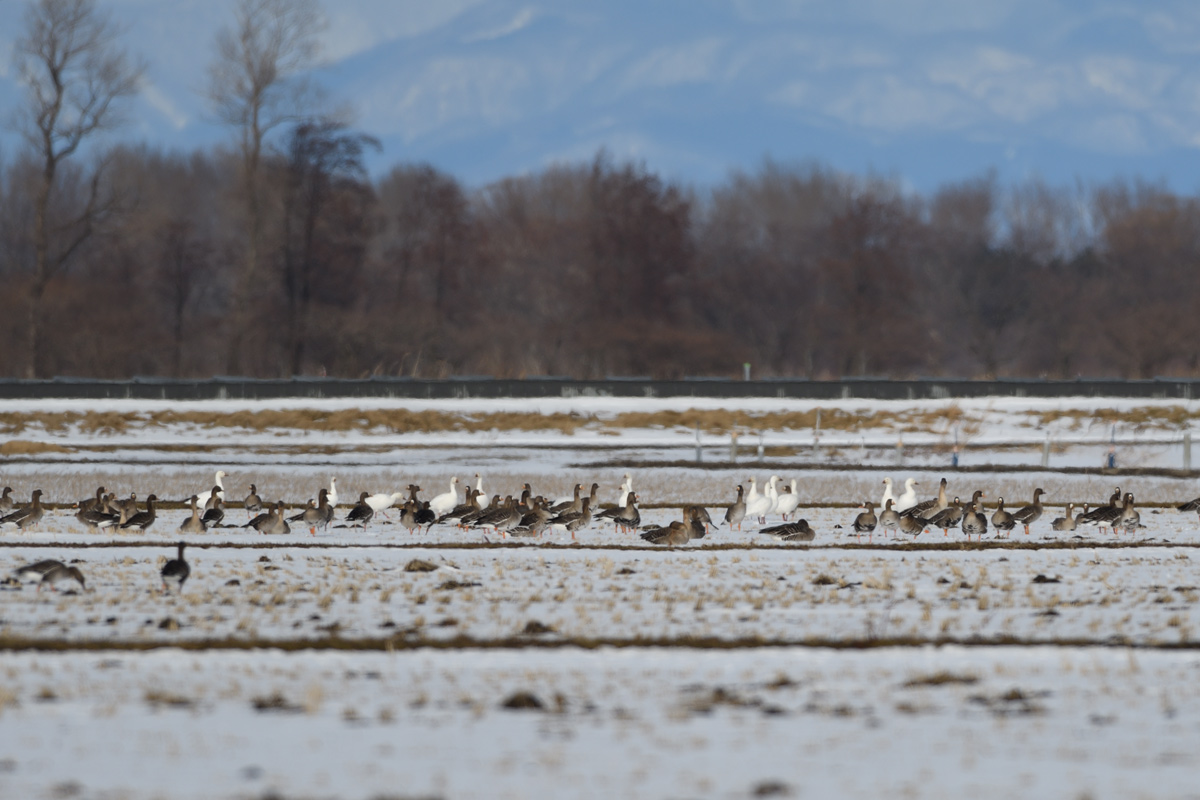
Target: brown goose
678, 532
1066, 523
889, 518
193, 524
26, 516
1129, 519
360, 516
948, 517
6, 501
737, 512
253, 503
866, 521
176, 571
797, 531
61, 573
457, 513
927, 509
1002, 520
625, 518
973, 522
143, 519
214, 514
1027, 515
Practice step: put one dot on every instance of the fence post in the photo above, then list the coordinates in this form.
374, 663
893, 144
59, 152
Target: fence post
1187, 451
817, 437
1046, 452
760, 447
733, 447
699, 455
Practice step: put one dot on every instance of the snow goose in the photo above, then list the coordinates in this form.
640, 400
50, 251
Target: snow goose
332, 494
193, 524
26, 516
623, 490
887, 493
381, 502
789, 501
1027, 515
447, 501
143, 519
909, 499
756, 503
176, 571
1002, 520
889, 518
866, 521
773, 495
736, 512
798, 531
1067, 523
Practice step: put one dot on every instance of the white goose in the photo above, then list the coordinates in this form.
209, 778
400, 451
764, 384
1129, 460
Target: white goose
772, 495
887, 493
219, 482
332, 497
479, 486
445, 502
908, 499
756, 503
623, 492
788, 501
381, 502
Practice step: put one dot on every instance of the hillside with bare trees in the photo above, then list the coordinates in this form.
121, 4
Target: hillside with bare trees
282, 255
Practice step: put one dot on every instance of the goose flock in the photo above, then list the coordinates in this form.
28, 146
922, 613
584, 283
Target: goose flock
525, 514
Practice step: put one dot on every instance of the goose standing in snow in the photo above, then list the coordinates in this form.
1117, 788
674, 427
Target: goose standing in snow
756, 503
447, 501
253, 503
26, 516
973, 522
380, 503
143, 519
6, 501
948, 517
1027, 515
866, 521
361, 514
789, 501
1002, 520
887, 493
176, 571
736, 512
889, 518
909, 499
214, 514
332, 495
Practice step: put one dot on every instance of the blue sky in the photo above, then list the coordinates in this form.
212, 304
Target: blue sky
928, 91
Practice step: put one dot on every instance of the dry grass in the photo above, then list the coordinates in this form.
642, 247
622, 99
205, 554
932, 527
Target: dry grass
21, 447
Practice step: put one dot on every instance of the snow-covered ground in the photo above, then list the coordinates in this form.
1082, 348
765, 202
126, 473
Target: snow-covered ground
925, 722
734, 666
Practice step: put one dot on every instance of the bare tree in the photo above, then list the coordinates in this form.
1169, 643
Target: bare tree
254, 87
75, 76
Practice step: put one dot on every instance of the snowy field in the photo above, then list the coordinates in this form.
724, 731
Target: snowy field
380, 664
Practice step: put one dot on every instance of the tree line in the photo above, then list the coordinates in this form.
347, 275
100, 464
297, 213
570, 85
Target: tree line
281, 255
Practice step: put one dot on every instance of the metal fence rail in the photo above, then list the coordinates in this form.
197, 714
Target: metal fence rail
223, 388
